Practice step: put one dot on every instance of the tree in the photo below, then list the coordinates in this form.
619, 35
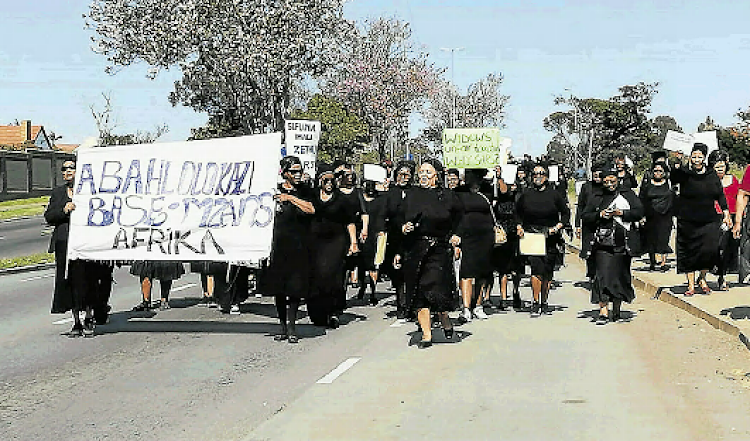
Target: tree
482, 106
342, 130
606, 126
105, 125
239, 59
383, 77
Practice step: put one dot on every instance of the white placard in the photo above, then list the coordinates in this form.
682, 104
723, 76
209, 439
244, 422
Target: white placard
193, 200
681, 142
301, 137
374, 172
508, 172
554, 173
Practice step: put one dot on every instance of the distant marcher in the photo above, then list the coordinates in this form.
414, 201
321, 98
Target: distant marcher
148, 271
505, 258
624, 175
657, 198
729, 246
584, 231
698, 224
612, 214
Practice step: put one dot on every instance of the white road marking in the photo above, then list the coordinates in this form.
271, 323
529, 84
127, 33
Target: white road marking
82, 315
340, 369
46, 276
398, 323
2, 237
183, 287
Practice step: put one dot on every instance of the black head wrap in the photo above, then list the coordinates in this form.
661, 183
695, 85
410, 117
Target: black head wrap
658, 154
608, 171
410, 165
453, 171
717, 156
703, 148
323, 169
287, 162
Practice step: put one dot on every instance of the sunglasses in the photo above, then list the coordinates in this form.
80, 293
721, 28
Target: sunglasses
540, 173
326, 180
295, 172
67, 167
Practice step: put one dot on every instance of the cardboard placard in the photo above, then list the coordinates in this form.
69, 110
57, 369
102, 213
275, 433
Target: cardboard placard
533, 244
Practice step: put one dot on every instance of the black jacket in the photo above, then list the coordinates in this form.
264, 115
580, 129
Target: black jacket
591, 218
55, 216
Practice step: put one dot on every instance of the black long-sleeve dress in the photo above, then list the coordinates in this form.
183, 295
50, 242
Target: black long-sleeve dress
613, 245
505, 258
537, 211
658, 206
588, 190
698, 224
330, 244
289, 269
428, 255
376, 210
476, 230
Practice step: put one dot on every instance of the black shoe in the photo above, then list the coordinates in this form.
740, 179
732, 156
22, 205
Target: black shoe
535, 308
517, 304
616, 317
502, 306
143, 306
88, 327
545, 309
424, 344
602, 320
373, 300
448, 333
400, 314
77, 331
293, 339
334, 322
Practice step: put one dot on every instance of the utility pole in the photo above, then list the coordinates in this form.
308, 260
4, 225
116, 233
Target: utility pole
453, 51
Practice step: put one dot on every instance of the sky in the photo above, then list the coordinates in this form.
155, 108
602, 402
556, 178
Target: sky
698, 51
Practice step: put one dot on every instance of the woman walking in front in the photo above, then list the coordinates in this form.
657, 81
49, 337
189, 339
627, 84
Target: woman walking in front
542, 209
288, 273
698, 224
432, 216
612, 215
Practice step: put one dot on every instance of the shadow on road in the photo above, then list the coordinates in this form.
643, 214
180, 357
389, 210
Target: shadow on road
737, 312
593, 315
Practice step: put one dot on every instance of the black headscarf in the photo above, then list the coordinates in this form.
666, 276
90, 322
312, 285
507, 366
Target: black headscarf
287, 162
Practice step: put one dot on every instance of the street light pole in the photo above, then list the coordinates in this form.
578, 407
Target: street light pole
453, 51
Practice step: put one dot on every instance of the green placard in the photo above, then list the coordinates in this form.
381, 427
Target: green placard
474, 148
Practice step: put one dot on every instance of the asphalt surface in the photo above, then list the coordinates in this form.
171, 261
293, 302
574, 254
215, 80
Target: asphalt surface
193, 373
23, 237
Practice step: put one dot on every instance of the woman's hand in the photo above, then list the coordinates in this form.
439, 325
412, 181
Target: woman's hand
353, 248
606, 214
456, 253
736, 230
555, 229
69, 207
363, 236
455, 240
407, 228
282, 197
397, 262
728, 220
519, 231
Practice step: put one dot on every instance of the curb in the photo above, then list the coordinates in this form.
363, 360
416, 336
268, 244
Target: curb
21, 218
26, 269
667, 296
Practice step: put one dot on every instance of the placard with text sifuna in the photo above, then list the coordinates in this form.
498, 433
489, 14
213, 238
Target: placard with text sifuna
194, 200
474, 148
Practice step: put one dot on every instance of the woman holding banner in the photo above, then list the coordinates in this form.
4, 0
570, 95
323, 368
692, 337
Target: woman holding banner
289, 269
543, 210
333, 234
432, 215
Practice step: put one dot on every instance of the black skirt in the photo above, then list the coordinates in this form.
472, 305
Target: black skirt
166, 270
430, 280
327, 292
612, 280
71, 292
476, 254
505, 258
697, 245
656, 233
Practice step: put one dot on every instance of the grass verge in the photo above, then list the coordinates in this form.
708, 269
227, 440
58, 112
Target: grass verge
34, 259
23, 207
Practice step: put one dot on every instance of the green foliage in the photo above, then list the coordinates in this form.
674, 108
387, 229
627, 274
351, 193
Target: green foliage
343, 132
23, 207
34, 259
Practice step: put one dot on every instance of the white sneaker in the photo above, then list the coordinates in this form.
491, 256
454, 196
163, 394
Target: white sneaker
235, 310
467, 314
479, 313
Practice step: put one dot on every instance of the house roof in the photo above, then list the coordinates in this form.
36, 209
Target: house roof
66, 147
11, 135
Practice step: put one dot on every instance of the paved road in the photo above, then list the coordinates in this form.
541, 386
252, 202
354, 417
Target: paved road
22, 237
192, 373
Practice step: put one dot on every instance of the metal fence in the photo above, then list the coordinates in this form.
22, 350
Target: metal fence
31, 173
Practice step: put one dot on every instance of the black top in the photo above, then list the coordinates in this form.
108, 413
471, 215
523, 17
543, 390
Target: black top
333, 216
657, 199
291, 229
376, 208
698, 194
477, 214
627, 181
543, 208
505, 209
436, 212
54, 215
587, 190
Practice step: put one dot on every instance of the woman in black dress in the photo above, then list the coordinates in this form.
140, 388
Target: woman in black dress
583, 231
71, 292
612, 214
288, 274
505, 258
432, 216
698, 224
375, 207
333, 234
477, 241
658, 203
542, 209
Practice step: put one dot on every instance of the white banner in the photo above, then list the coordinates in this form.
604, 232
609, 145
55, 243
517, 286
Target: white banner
196, 200
681, 142
374, 172
301, 139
